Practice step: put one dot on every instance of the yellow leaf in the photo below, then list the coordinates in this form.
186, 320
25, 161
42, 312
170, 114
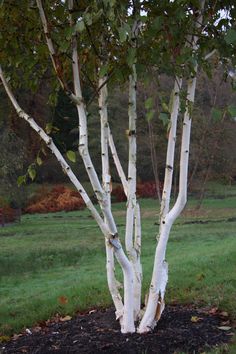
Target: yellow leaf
4, 339
66, 318
195, 319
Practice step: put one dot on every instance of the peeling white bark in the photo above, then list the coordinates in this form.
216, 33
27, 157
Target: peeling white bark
106, 180
117, 163
175, 99
133, 253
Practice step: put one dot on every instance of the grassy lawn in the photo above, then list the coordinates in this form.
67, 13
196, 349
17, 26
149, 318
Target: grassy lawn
49, 256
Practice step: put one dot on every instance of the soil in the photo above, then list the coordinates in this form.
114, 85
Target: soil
181, 329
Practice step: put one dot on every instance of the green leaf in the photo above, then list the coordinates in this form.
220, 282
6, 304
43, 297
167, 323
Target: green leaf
88, 19
80, 26
97, 15
103, 70
216, 114
165, 107
69, 31
64, 46
39, 160
232, 111
71, 155
32, 172
21, 180
230, 37
48, 128
149, 103
150, 115
164, 117
122, 34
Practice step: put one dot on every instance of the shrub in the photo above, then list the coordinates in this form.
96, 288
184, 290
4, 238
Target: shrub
8, 215
144, 190
60, 198
119, 194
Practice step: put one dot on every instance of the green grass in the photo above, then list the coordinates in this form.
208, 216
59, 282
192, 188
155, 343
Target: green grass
52, 255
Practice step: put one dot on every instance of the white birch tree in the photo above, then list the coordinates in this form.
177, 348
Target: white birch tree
124, 31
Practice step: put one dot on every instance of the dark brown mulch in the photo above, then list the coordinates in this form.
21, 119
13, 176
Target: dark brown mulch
181, 329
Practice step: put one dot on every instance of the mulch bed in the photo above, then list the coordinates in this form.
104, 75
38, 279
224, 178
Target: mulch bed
181, 329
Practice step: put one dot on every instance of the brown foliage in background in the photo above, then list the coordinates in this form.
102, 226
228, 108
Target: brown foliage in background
60, 198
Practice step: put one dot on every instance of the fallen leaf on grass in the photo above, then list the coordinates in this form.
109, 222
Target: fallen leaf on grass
196, 319
224, 328
63, 300
66, 318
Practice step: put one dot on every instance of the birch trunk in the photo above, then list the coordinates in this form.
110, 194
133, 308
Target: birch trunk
106, 180
155, 304
132, 251
117, 163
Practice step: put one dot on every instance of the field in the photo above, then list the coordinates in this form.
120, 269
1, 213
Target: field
54, 263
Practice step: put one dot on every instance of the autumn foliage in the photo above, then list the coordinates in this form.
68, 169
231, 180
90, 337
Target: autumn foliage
144, 190
8, 215
58, 199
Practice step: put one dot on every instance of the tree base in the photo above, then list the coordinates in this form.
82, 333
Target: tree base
181, 328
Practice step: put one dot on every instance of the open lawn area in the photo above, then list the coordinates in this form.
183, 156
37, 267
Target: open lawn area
55, 263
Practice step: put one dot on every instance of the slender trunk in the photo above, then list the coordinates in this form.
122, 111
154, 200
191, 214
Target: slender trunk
165, 202
137, 216
56, 62
116, 159
133, 253
106, 179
